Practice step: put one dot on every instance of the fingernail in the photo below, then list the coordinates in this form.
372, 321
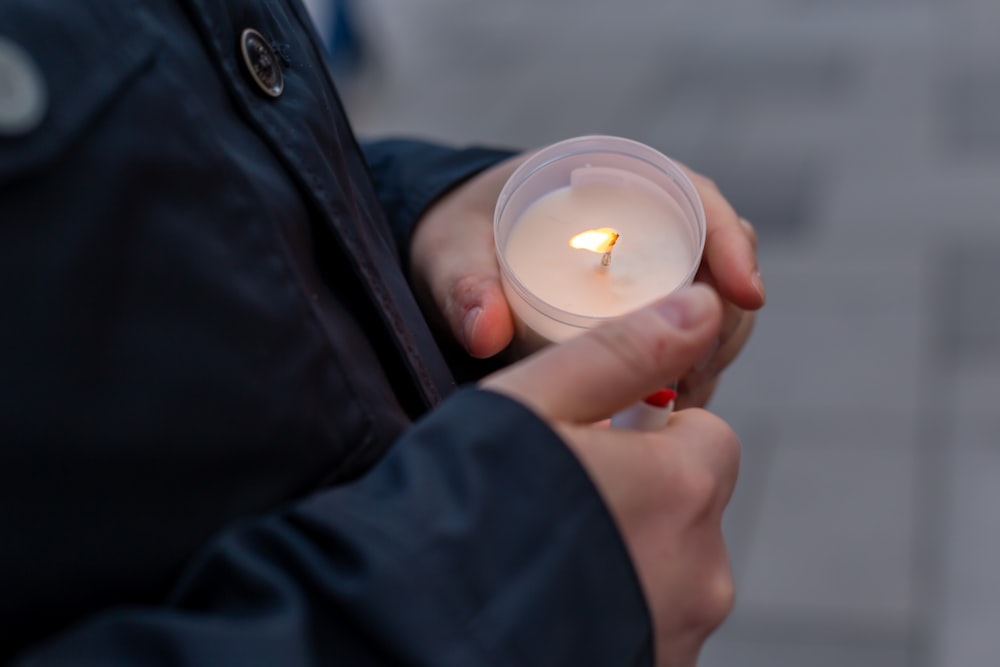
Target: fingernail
758, 284
469, 325
687, 308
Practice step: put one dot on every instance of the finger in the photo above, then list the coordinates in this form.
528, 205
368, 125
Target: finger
730, 248
456, 271
598, 373
693, 463
475, 308
698, 397
454, 268
732, 318
730, 257
751, 233
728, 349
711, 444
733, 344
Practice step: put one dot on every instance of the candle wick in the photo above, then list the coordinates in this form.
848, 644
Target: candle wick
606, 259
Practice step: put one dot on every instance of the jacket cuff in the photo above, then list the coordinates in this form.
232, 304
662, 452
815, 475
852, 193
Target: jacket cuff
411, 175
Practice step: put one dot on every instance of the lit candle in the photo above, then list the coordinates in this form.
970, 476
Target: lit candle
653, 254
597, 240
590, 229
613, 195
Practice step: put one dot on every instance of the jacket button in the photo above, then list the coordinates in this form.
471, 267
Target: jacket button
261, 62
23, 95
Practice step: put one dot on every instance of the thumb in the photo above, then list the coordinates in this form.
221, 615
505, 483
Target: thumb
475, 308
454, 265
457, 276
605, 370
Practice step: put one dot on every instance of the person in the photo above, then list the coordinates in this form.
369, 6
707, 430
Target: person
230, 435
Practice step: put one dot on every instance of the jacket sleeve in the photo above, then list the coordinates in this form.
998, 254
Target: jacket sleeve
409, 175
479, 540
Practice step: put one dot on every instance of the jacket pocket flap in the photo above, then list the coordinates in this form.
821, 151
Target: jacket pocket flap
85, 54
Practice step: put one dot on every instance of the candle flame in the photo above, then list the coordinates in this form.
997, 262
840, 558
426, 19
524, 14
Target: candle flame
596, 240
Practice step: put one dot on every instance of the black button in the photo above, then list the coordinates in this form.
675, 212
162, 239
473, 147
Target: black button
262, 62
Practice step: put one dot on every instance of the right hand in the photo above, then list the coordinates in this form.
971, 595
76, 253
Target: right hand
666, 490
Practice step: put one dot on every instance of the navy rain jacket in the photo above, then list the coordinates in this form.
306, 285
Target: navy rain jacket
211, 363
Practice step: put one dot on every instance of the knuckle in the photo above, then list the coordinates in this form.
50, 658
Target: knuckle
460, 292
465, 286
724, 437
718, 598
713, 592
710, 478
717, 433
700, 487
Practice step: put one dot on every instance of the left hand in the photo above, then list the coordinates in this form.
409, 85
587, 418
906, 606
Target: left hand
455, 273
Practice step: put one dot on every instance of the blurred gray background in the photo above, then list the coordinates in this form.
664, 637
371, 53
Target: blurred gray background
862, 138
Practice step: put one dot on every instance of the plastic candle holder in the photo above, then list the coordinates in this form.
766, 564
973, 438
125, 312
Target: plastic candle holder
579, 187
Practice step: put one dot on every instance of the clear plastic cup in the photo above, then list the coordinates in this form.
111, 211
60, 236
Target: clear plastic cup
590, 174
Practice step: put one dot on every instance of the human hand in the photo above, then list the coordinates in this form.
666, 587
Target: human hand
729, 264
453, 263
666, 490
456, 277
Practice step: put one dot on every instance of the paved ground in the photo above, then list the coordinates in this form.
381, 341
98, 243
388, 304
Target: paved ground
862, 137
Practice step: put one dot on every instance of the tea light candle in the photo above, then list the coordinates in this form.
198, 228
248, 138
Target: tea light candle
651, 257
590, 229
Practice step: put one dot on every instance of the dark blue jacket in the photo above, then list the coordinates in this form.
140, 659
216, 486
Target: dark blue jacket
210, 364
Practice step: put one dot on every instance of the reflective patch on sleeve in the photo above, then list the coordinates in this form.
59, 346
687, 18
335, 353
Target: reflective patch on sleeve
23, 95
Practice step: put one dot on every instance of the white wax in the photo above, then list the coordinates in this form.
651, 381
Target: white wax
653, 256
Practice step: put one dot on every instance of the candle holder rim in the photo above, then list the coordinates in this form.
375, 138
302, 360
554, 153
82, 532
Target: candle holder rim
599, 144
